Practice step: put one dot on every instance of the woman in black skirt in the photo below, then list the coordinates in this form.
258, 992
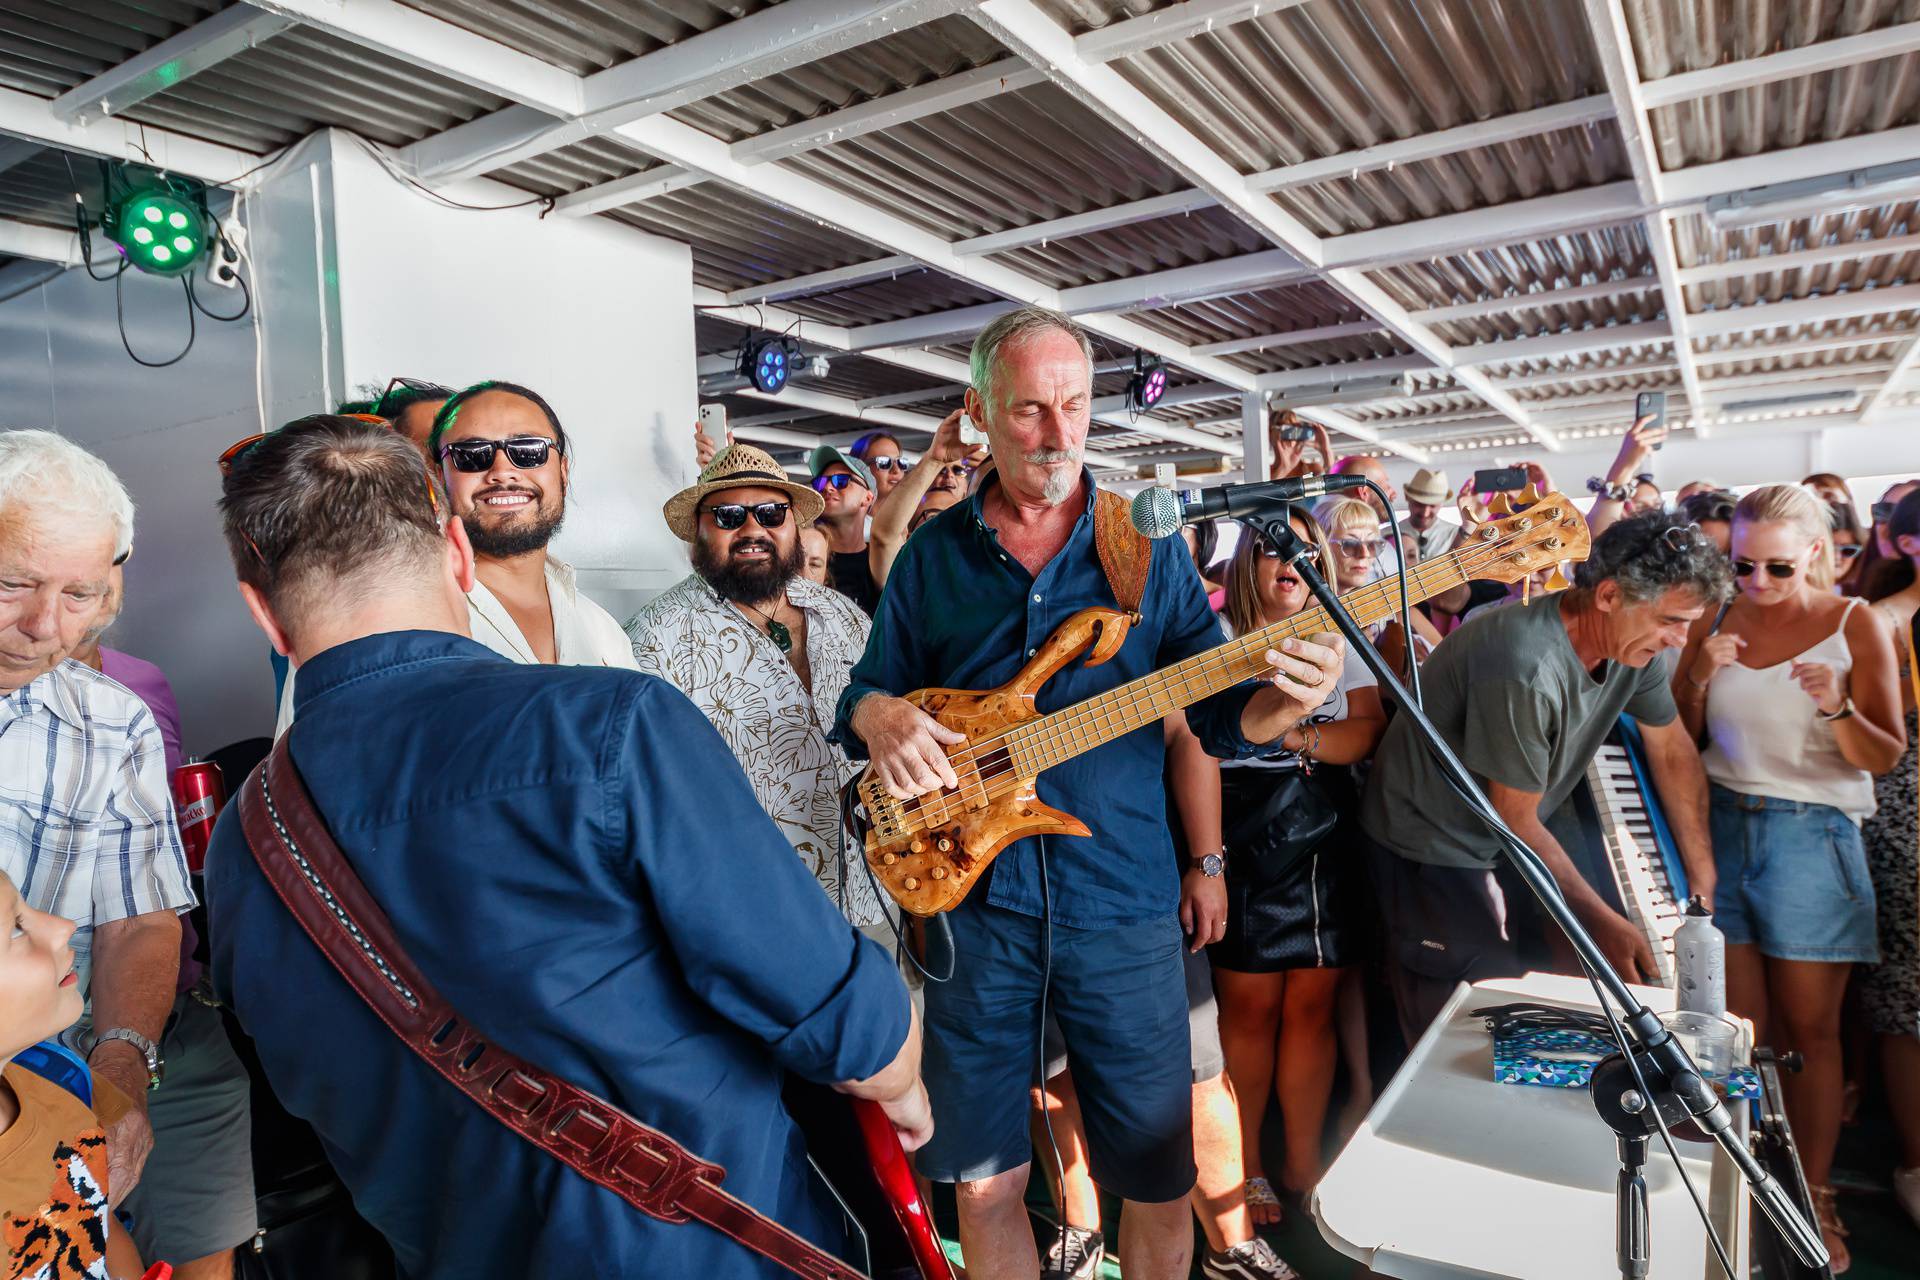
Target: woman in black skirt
1290, 887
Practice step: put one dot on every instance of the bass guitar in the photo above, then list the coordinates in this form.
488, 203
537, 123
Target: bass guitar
929, 851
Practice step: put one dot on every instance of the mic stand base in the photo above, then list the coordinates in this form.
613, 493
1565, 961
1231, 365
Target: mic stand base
1653, 1042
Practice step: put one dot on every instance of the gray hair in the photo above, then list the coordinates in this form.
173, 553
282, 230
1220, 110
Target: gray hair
1015, 326
1653, 553
41, 468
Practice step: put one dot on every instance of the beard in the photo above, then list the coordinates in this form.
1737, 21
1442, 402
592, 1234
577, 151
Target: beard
515, 536
1061, 482
750, 581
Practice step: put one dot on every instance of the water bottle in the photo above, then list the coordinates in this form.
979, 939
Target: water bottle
1699, 962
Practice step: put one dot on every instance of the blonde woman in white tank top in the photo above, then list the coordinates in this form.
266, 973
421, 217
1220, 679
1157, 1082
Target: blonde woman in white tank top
1792, 693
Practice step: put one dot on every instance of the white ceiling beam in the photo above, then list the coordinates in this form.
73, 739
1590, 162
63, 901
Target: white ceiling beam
825, 281
42, 244
1553, 346
1811, 160
1799, 259
1536, 218
1539, 298
1194, 283
725, 57
951, 390
1819, 309
803, 398
206, 43
1787, 64
1290, 338
16, 151
1080, 224
1441, 142
1175, 22
767, 433
887, 111
31, 118
1321, 374
1022, 27
421, 40
657, 180
939, 326
1882, 398
1613, 42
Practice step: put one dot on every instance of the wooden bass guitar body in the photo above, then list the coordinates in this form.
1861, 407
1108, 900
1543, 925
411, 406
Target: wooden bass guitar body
930, 851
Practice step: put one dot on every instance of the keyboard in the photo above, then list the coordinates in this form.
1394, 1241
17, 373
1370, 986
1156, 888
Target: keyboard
1638, 849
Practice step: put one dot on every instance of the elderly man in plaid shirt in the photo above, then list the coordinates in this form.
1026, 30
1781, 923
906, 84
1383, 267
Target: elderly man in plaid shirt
86, 823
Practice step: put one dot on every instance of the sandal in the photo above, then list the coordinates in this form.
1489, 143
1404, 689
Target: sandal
1263, 1206
1832, 1231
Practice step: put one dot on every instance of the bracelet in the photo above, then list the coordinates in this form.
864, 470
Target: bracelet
1608, 491
1695, 683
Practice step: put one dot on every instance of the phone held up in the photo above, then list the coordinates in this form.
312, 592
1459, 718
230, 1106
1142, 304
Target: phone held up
1651, 404
970, 434
1296, 431
713, 421
1492, 480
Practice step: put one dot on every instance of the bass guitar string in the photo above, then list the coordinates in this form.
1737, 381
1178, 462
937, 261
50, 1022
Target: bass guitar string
1057, 729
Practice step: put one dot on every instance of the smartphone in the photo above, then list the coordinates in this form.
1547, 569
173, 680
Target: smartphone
713, 421
970, 434
1492, 480
1296, 431
1654, 404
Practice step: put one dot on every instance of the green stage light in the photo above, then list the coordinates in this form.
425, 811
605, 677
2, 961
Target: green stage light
161, 230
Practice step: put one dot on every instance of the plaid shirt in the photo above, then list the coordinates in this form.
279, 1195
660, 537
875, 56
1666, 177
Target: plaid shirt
86, 813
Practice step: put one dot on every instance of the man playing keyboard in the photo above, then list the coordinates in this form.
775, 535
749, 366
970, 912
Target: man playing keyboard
1526, 693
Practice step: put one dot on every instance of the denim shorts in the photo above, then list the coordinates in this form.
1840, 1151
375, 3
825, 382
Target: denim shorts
1793, 879
1120, 995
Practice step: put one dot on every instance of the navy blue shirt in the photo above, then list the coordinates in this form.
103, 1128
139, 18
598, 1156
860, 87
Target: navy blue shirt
573, 857
962, 612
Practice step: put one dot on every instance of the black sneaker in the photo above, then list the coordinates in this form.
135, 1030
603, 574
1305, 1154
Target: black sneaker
1254, 1260
1076, 1255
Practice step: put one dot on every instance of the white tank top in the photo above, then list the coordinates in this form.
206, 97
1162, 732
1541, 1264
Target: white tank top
1766, 737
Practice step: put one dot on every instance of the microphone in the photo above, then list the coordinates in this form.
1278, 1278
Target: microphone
1159, 513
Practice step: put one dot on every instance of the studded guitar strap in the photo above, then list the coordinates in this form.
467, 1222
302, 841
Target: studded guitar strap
604, 1145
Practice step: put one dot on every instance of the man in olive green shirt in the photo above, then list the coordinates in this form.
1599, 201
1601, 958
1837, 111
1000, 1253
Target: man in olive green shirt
1525, 694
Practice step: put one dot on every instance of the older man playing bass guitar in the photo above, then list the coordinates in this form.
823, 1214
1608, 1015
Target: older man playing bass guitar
1084, 928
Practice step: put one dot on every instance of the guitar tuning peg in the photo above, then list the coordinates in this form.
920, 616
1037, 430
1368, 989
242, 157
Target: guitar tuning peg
1531, 494
1500, 505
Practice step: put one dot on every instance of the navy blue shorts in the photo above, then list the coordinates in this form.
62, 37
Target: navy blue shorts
1120, 995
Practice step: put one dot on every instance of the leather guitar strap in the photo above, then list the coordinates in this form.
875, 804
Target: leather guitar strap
641, 1165
1126, 555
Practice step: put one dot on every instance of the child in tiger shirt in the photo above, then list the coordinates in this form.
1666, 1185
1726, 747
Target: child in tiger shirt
54, 1216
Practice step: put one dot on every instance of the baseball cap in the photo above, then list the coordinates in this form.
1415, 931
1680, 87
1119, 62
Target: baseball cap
826, 455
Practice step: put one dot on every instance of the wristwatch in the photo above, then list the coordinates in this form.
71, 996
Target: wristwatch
1209, 865
156, 1065
1846, 710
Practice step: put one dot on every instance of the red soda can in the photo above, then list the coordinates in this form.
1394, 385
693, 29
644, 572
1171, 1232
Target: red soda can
198, 793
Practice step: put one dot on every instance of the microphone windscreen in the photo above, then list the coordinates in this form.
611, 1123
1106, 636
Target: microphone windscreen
1156, 512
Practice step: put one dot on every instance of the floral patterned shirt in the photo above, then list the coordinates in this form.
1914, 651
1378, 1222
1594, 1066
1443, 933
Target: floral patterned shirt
710, 651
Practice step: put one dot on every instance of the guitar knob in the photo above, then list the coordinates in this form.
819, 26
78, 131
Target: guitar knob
910, 884
888, 859
939, 873
943, 844
917, 845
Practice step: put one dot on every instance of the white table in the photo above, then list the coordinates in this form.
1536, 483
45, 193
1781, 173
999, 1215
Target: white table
1453, 1175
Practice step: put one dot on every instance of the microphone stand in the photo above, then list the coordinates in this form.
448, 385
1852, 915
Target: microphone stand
1658, 1065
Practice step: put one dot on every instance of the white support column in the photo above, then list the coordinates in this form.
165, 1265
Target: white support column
1613, 41
1256, 460
206, 43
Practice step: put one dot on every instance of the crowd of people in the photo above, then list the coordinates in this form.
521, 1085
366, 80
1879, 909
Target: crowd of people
581, 836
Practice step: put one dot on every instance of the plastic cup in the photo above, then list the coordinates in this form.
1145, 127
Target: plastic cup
1708, 1040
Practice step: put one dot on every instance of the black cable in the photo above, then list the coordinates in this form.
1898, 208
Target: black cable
1406, 610
246, 304
120, 318
1040, 1040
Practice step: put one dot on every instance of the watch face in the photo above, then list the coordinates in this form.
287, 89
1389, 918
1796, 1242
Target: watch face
1212, 864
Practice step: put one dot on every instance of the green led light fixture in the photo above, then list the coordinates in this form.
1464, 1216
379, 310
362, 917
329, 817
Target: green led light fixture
161, 227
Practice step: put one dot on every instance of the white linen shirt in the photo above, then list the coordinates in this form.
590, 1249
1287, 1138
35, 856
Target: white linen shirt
706, 648
584, 634
87, 828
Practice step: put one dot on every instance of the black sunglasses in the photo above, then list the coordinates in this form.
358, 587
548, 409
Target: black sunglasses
425, 390
731, 515
524, 452
841, 481
1847, 551
1774, 568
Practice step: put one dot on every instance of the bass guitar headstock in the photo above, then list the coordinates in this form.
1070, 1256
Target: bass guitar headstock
1545, 531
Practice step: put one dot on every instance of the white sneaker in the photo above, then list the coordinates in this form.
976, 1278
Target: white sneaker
1254, 1260
1906, 1189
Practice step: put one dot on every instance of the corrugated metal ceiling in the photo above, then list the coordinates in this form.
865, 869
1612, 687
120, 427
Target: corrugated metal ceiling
588, 35
47, 48
738, 240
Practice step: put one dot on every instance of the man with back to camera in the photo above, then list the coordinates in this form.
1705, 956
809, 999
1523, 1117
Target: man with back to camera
570, 854
1525, 693
973, 594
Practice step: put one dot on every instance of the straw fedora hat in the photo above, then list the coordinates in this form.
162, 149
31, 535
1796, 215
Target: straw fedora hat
738, 466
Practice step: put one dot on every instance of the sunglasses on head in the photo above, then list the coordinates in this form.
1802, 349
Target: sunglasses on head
841, 481
524, 452
425, 390
1775, 568
731, 515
